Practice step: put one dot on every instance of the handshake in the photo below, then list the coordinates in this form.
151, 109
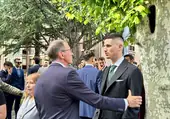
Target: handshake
134, 101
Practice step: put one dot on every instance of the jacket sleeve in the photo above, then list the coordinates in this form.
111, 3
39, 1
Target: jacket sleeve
135, 84
98, 82
77, 90
10, 89
23, 80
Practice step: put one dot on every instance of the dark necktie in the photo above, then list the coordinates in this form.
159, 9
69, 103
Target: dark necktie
111, 73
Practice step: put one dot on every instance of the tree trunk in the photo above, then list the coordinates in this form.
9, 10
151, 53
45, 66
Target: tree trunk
155, 61
37, 46
76, 53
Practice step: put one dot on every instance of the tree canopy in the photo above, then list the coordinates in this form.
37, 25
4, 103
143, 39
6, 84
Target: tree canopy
107, 15
35, 23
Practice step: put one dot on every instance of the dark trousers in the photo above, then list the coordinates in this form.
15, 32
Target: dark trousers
10, 100
85, 118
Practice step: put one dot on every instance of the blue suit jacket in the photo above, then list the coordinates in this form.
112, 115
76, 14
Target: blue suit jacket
88, 74
33, 69
15, 80
59, 90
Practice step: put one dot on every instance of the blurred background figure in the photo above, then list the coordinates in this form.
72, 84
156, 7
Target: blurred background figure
101, 63
89, 76
15, 78
4, 73
82, 64
45, 64
35, 67
28, 108
44, 67
129, 58
95, 63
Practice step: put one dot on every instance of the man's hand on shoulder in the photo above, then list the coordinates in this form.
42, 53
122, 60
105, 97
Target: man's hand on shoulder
134, 101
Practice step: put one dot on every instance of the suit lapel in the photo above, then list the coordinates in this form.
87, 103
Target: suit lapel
118, 73
104, 79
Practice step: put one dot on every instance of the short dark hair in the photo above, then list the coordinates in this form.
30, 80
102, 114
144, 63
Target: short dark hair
37, 60
16, 59
130, 56
88, 55
101, 58
113, 36
7, 63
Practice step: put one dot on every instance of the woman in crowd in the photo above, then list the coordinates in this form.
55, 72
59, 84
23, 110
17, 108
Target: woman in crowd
28, 108
2, 106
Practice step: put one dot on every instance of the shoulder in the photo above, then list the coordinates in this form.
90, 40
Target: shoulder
132, 67
133, 70
30, 67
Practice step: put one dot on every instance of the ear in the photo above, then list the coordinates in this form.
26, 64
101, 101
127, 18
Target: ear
120, 45
60, 55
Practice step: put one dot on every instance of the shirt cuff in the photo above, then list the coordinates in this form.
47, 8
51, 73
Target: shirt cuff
126, 104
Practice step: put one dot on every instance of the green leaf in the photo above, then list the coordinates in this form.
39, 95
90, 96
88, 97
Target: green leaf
136, 20
69, 16
86, 21
54, 1
140, 8
126, 43
98, 30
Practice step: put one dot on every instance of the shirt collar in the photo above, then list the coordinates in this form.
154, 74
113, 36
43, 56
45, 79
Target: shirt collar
89, 65
59, 63
17, 67
119, 61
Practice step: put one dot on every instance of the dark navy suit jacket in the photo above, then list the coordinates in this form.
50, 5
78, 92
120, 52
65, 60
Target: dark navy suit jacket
59, 90
33, 69
15, 79
88, 74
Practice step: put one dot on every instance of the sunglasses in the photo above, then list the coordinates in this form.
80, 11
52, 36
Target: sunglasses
18, 62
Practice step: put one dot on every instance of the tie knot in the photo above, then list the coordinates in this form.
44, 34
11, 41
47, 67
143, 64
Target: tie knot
112, 68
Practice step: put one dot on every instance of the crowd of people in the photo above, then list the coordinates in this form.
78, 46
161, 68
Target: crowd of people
59, 91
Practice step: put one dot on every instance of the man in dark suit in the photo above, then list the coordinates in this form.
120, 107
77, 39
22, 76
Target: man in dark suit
88, 74
3, 73
59, 89
118, 79
15, 78
34, 68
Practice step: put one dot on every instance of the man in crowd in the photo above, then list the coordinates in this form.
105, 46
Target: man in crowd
129, 58
15, 78
63, 89
89, 76
101, 63
35, 67
142, 112
4, 73
118, 79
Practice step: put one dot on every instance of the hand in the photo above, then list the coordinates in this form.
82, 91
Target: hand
10, 71
134, 101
